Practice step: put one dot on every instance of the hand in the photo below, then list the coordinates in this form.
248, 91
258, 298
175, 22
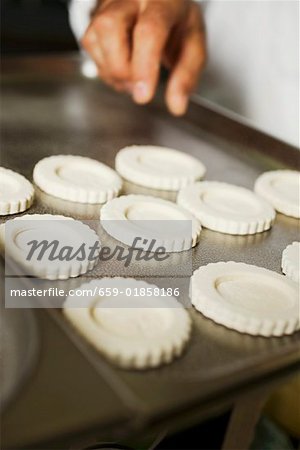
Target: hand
130, 39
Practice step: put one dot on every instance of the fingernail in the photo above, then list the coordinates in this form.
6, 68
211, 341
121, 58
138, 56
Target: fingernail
141, 92
179, 104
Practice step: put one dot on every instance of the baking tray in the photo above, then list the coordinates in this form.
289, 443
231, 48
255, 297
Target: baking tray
49, 108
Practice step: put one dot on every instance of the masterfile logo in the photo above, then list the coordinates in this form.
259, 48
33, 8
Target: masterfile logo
60, 248
55, 250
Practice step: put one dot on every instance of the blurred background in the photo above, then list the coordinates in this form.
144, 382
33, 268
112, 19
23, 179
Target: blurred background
35, 26
253, 47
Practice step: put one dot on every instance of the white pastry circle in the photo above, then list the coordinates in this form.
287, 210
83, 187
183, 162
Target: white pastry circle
15, 241
77, 179
227, 208
130, 216
281, 188
246, 298
16, 192
158, 167
290, 263
131, 331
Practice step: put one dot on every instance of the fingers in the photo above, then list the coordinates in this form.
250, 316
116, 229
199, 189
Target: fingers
108, 41
149, 41
128, 40
186, 70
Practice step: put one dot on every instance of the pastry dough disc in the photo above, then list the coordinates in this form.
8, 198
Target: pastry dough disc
130, 329
246, 298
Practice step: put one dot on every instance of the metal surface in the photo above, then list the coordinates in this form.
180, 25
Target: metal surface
19, 346
49, 109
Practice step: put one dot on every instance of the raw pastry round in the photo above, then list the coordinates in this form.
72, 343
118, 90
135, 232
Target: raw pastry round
77, 179
150, 218
227, 208
131, 331
158, 167
290, 262
246, 298
16, 193
281, 188
15, 241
